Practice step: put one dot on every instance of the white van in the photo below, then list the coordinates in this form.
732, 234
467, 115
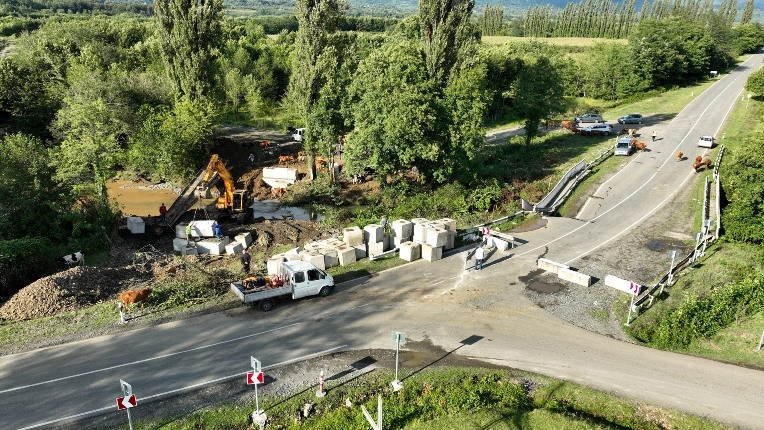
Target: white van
294, 278
299, 134
706, 142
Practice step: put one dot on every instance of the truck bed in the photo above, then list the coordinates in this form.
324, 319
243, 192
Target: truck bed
253, 296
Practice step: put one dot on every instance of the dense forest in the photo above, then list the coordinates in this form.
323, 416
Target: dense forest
84, 96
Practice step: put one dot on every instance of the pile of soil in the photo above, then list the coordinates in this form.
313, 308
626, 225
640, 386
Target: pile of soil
68, 290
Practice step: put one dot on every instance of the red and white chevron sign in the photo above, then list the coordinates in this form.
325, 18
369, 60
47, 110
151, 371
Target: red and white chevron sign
622, 284
126, 402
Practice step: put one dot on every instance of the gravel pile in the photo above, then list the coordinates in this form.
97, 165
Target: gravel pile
68, 290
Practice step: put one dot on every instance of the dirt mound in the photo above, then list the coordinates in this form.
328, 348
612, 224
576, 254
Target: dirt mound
68, 290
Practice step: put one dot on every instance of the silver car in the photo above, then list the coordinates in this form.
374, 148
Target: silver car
590, 117
632, 118
623, 146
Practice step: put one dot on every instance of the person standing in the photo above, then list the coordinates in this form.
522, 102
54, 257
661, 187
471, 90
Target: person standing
246, 259
189, 230
162, 214
655, 134
217, 229
479, 256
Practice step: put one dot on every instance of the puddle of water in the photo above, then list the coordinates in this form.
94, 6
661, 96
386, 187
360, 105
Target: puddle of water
665, 245
139, 202
543, 287
272, 209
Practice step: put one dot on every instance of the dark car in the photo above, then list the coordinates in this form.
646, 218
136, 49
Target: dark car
632, 118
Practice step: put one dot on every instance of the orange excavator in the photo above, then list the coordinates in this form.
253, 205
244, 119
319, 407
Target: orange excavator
233, 201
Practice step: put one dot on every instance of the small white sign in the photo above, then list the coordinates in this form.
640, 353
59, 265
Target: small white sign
256, 364
621, 284
399, 336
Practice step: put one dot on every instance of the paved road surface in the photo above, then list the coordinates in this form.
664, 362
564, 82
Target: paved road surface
437, 301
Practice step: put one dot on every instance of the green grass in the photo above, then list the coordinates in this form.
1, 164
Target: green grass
444, 398
364, 267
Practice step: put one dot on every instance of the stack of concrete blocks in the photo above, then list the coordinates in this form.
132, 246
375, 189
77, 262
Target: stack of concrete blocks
353, 237
450, 226
435, 238
374, 235
346, 254
136, 225
331, 258
410, 251
403, 231
420, 224
234, 248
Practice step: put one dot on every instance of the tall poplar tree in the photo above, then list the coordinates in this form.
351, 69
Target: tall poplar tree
747, 12
317, 20
189, 32
445, 31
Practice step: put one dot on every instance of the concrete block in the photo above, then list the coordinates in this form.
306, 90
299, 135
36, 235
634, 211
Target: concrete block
333, 242
180, 230
420, 232
346, 255
331, 257
279, 174
373, 233
550, 266
213, 246
574, 277
234, 248
202, 228
410, 251
450, 240
274, 263
352, 236
293, 255
397, 241
189, 250
360, 251
311, 246
388, 242
436, 236
500, 244
136, 225
313, 257
420, 220
245, 239
403, 228
178, 244
448, 223
432, 253
375, 248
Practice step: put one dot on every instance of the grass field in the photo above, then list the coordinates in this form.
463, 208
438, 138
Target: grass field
562, 41
446, 399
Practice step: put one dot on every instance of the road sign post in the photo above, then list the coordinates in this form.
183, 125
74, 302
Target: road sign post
761, 340
627, 287
320, 392
399, 338
672, 255
697, 245
256, 378
127, 392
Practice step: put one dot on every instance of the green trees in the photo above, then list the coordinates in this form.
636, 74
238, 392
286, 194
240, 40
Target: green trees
189, 31
539, 94
317, 19
491, 23
747, 12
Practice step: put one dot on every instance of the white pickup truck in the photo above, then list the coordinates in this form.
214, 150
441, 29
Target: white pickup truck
294, 278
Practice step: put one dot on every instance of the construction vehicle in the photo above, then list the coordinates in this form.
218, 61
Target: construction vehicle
294, 279
233, 202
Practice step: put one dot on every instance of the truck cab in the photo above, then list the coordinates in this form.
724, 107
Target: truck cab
307, 279
299, 134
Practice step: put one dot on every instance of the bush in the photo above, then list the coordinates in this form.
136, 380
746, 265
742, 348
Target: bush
22, 261
700, 317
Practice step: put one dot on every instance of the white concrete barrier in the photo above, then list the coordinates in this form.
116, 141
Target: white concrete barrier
352, 236
136, 225
448, 223
234, 248
245, 239
403, 229
551, 266
410, 251
346, 255
574, 277
373, 249
274, 263
432, 253
213, 246
435, 235
313, 257
373, 233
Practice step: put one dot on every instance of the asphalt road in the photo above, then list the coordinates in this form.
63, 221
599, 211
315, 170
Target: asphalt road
475, 314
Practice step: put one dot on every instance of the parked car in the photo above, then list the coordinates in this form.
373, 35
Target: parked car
623, 146
597, 129
706, 142
590, 117
632, 118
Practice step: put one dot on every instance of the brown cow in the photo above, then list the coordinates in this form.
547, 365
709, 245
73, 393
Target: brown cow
278, 192
696, 165
640, 146
707, 162
698, 159
570, 125
679, 155
265, 144
300, 156
284, 159
129, 297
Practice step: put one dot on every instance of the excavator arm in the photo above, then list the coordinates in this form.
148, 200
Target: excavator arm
216, 165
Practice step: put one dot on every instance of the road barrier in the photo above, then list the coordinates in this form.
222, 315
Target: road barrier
574, 277
550, 266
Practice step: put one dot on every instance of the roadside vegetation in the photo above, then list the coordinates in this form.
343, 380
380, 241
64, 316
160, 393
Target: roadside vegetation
444, 398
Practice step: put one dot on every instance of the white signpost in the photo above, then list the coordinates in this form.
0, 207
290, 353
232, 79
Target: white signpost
127, 400
399, 338
256, 378
625, 286
672, 256
378, 424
